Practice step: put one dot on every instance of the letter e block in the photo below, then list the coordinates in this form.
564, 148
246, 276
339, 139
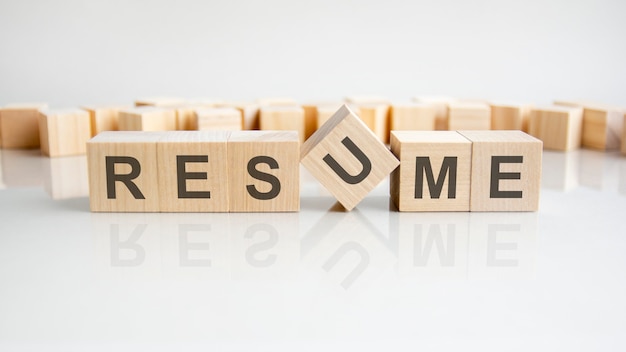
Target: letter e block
123, 172
434, 171
64, 132
506, 171
263, 171
347, 158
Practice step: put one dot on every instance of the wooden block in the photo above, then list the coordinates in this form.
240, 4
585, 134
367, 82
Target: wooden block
376, 118
193, 171
510, 116
469, 116
283, 118
123, 171
160, 101
186, 117
413, 117
434, 171
347, 158
325, 112
263, 171
602, 124
19, 125
249, 112
147, 118
441, 109
218, 119
559, 127
506, 171
104, 118
64, 132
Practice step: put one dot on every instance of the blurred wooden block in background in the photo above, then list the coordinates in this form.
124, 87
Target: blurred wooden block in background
413, 117
376, 117
441, 109
64, 132
602, 124
325, 112
506, 171
263, 171
510, 116
249, 113
193, 171
559, 127
347, 158
123, 171
434, 171
469, 116
160, 101
283, 118
218, 119
310, 118
104, 118
19, 125
147, 118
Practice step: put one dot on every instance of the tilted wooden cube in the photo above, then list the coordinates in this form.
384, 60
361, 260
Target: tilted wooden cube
147, 118
506, 171
413, 117
263, 171
469, 116
104, 118
64, 132
510, 116
283, 118
218, 119
559, 127
19, 125
434, 171
347, 158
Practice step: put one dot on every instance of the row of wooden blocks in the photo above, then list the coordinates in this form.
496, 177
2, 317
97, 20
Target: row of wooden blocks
258, 171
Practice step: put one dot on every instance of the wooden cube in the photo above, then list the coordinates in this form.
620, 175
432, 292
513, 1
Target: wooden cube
283, 118
147, 118
310, 118
559, 127
263, 171
160, 101
19, 125
64, 132
413, 117
249, 112
441, 109
506, 171
123, 171
347, 158
434, 171
193, 171
376, 118
103, 118
469, 116
602, 128
218, 119
325, 112
510, 116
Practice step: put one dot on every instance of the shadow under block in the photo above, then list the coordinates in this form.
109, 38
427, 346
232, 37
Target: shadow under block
510, 117
506, 171
123, 171
413, 117
376, 117
193, 176
147, 118
105, 118
347, 158
559, 127
263, 171
19, 125
218, 119
283, 118
434, 171
64, 132
469, 116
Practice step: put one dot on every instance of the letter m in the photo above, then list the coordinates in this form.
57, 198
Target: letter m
423, 168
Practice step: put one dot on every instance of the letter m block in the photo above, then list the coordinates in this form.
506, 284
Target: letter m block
123, 172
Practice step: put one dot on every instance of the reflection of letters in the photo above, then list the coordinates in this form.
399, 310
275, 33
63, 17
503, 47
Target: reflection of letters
251, 253
434, 238
130, 245
185, 246
358, 270
493, 245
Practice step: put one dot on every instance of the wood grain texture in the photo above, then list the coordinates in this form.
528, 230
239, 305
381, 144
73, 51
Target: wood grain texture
147, 118
441, 109
19, 125
559, 127
218, 119
273, 158
283, 118
329, 141
64, 132
447, 148
469, 116
413, 117
104, 118
510, 116
506, 171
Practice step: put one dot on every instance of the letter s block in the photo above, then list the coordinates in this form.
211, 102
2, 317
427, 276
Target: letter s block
263, 171
434, 172
123, 171
347, 157
506, 171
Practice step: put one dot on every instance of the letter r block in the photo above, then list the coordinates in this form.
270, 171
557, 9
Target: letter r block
434, 172
123, 172
506, 171
347, 157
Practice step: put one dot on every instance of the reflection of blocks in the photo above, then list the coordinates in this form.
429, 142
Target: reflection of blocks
193, 172
66, 178
263, 171
376, 117
123, 171
560, 128
19, 125
147, 119
469, 116
104, 118
413, 117
434, 171
64, 132
283, 118
347, 158
560, 170
220, 119
506, 171
509, 117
